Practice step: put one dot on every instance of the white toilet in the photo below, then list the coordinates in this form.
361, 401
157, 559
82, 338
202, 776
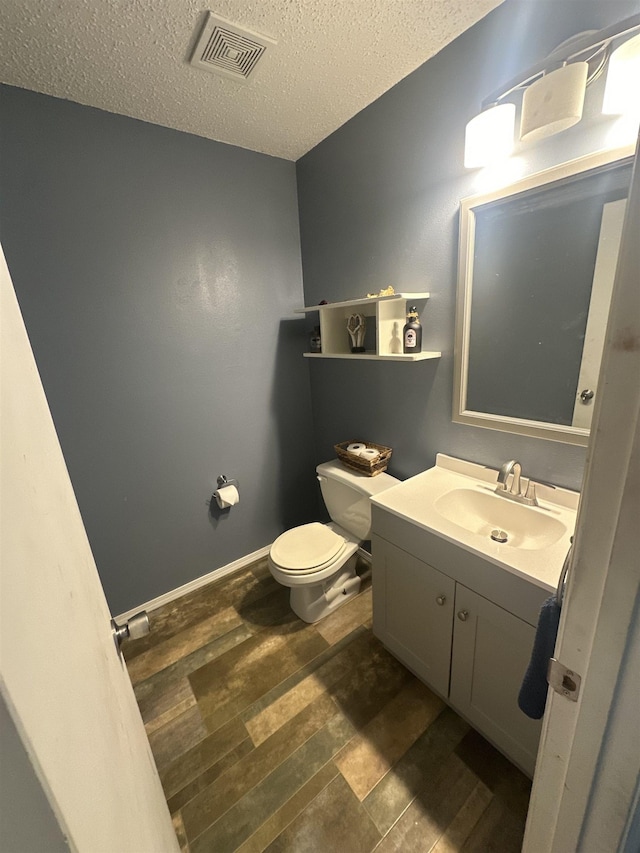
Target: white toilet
318, 561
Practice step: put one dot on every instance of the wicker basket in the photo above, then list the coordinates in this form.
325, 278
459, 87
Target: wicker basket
369, 467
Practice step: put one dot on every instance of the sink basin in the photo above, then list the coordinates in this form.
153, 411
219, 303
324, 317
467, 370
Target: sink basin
482, 513
457, 501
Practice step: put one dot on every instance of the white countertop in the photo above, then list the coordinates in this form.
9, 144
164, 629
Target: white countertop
423, 499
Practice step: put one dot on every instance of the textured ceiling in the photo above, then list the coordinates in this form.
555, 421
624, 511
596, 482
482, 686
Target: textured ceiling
332, 58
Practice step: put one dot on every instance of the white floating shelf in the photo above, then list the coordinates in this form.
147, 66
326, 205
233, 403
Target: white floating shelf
364, 300
371, 356
388, 314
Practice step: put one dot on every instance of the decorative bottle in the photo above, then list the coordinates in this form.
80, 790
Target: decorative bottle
412, 332
315, 341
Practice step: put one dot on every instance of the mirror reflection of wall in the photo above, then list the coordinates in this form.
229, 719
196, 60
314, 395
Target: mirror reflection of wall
533, 271
537, 278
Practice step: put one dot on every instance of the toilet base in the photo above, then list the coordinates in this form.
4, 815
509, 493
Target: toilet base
315, 601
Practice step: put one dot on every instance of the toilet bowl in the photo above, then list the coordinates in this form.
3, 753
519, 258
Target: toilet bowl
318, 561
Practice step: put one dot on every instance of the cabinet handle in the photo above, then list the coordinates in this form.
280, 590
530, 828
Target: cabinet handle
463, 615
441, 600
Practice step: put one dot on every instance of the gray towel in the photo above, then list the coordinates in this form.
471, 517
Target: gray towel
533, 692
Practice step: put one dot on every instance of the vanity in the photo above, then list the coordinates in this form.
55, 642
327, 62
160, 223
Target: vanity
458, 608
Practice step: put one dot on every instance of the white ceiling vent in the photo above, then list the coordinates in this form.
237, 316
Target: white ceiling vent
229, 50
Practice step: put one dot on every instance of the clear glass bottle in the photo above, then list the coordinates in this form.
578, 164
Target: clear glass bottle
412, 333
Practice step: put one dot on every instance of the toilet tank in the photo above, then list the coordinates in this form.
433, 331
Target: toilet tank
346, 495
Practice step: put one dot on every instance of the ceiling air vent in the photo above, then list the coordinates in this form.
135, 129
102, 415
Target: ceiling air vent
226, 49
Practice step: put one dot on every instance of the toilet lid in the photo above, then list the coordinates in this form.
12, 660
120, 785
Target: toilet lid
305, 547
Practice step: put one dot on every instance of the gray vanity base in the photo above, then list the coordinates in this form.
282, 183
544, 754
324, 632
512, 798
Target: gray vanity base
463, 625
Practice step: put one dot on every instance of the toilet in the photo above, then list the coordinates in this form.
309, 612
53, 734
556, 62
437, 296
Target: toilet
318, 561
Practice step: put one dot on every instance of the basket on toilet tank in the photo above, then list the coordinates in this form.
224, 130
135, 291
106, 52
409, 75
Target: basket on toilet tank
362, 464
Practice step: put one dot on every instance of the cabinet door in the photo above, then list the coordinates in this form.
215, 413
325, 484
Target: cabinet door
413, 613
491, 650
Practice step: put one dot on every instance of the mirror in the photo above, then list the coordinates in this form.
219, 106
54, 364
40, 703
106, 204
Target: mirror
535, 272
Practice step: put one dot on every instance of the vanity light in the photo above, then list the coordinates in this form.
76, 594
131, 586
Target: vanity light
622, 92
553, 91
489, 136
554, 102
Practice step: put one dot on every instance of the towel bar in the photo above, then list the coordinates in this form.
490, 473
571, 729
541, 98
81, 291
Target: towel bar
563, 575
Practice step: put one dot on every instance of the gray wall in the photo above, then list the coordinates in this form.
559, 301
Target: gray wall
154, 270
27, 822
379, 205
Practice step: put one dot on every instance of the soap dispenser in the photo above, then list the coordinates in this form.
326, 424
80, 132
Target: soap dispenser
412, 332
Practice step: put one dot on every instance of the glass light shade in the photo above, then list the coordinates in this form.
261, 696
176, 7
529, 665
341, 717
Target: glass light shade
622, 91
489, 136
554, 102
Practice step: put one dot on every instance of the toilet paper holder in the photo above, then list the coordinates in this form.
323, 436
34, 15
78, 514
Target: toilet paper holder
220, 496
223, 480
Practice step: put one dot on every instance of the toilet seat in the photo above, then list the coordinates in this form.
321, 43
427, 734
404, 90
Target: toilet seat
307, 549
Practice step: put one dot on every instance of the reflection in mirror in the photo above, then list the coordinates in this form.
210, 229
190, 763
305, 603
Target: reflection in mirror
536, 269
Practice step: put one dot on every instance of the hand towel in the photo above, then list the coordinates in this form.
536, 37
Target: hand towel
533, 692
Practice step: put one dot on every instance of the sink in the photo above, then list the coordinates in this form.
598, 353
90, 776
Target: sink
484, 512
457, 501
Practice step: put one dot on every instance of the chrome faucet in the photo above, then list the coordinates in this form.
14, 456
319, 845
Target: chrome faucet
515, 494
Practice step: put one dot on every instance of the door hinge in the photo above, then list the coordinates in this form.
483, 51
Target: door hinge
564, 681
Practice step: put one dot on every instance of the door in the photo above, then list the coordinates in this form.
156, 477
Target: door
585, 794
64, 684
491, 650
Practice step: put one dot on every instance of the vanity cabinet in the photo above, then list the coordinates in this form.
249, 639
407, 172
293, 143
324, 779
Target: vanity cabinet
432, 609
413, 613
490, 653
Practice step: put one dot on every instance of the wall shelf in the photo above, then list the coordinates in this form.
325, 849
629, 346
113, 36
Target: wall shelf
389, 315
372, 356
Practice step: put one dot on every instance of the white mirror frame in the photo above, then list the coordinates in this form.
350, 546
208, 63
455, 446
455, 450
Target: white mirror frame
462, 415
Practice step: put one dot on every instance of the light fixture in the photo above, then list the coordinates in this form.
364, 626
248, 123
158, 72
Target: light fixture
554, 102
554, 89
489, 136
622, 91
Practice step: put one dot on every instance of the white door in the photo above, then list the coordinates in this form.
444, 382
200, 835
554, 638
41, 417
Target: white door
585, 795
62, 680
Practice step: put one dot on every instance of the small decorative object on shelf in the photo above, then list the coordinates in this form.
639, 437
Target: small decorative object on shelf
315, 341
356, 325
366, 461
412, 332
386, 291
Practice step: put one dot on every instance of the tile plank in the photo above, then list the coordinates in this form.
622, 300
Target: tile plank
211, 803
206, 753
176, 737
397, 790
191, 790
226, 686
334, 820
178, 828
381, 742
282, 817
180, 615
180, 645
461, 827
281, 703
376, 678
153, 690
250, 812
166, 700
342, 621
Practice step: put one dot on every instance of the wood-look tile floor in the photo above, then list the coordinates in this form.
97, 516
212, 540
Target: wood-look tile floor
271, 734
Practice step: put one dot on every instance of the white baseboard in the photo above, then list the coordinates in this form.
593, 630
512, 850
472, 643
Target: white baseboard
215, 575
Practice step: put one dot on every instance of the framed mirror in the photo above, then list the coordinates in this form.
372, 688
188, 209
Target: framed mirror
536, 267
